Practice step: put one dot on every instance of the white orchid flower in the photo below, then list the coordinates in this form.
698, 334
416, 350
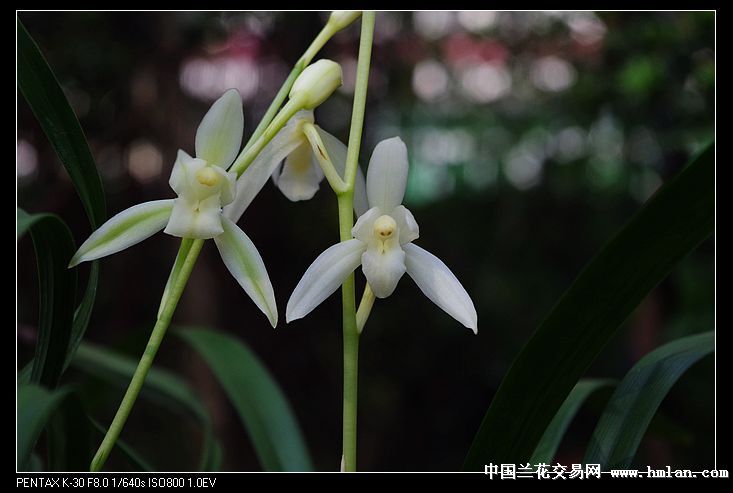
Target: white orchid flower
290, 160
382, 245
203, 187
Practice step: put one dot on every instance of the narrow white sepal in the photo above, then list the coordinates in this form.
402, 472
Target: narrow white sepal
387, 174
440, 285
323, 277
125, 229
245, 263
256, 175
337, 152
219, 135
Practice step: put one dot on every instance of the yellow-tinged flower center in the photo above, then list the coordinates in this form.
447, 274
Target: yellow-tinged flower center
207, 176
385, 227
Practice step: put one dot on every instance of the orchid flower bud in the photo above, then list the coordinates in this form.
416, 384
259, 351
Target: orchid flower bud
317, 83
340, 19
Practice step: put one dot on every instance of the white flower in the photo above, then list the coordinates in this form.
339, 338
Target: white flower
382, 245
203, 187
299, 176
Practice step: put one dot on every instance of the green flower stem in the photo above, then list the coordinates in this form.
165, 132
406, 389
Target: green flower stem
275, 105
346, 222
168, 303
360, 92
249, 154
319, 150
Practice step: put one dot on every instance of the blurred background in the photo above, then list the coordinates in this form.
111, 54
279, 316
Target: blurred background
533, 137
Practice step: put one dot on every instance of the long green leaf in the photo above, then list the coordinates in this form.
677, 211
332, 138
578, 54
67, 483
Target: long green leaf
637, 398
83, 313
161, 387
54, 247
257, 397
54, 113
69, 437
584, 389
35, 406
670, 225
49, 104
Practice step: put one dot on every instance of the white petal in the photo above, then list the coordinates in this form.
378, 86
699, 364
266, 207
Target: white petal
387, 174
323, 277
301, 175
245, 263
383, 265
337, 152
439, 284
364, 227
227, 185
183, 171
219, 135
257, 174
409, 230
125, 229
194, 219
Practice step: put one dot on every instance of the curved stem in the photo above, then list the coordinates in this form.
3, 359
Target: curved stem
319, 150
346, 222
365, 308
249, 154
168, 305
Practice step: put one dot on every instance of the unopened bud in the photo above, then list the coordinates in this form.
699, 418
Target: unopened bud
340, 19
317, 83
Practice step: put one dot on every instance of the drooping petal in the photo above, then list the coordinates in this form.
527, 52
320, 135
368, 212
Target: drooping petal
364, 227
125, 229
387, 174
195, 219
219, 135
383, 264
337, 152
261, 169
323, 277
409, 230
245, 263
301, 175
440, 285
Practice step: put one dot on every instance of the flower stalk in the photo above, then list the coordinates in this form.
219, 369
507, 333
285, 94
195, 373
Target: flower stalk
346, 222
179, 277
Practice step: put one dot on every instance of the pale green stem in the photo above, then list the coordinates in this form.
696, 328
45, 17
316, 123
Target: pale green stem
365, 308
360, 91
319, 150
346, 222
274, 106
249, 154
170, 302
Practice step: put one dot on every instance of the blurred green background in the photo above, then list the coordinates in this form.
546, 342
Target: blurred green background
533, 137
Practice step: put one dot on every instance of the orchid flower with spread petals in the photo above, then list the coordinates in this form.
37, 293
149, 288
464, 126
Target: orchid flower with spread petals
290, 160
203, 186
382, 245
